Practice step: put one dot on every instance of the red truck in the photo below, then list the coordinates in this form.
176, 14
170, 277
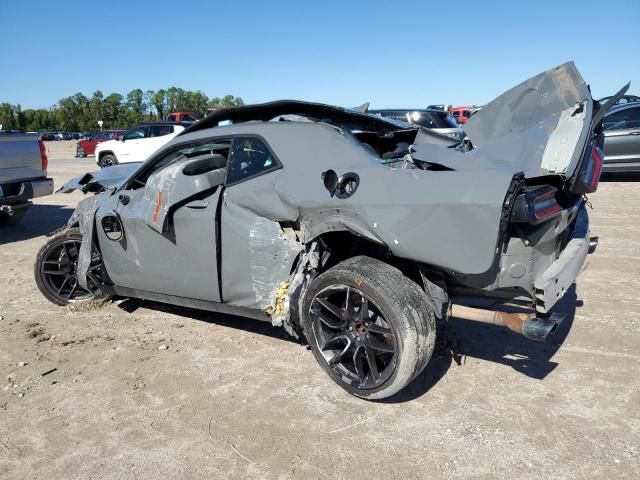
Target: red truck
182, 117
461, 114
87, 147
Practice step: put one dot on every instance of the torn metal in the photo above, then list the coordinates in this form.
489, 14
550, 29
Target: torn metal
415, 197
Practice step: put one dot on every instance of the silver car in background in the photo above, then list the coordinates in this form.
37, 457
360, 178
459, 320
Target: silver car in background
435, 120
622, 139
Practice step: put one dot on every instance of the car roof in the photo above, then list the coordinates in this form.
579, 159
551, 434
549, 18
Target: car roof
622, 106
428, 110
314, 111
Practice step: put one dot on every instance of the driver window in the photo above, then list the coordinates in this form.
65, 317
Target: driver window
138, 132
249, 158
211, 155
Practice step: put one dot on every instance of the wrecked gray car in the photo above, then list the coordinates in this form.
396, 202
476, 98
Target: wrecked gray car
352, 231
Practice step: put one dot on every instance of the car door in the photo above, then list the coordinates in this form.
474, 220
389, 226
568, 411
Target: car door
167, 212
257, 253
157, 136
622, 135
132, 144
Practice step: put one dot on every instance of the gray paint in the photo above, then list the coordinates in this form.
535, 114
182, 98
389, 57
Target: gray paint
100, 179
553, 283
446, 219
539, 127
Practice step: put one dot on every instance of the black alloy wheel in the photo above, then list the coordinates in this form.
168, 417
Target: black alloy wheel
353, 335
56, 268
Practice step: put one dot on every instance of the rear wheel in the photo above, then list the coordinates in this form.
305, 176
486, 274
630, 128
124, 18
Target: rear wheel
370, 327
56, 266
108, 161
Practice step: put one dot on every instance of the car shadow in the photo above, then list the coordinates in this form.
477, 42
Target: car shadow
130, 305
620, 177
461, 339
37, 221
457, 340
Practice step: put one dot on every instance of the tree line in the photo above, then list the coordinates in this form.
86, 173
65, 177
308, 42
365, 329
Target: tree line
81, 113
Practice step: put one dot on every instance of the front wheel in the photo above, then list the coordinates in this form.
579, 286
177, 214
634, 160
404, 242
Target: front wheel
108, 161
55, 270
369, 326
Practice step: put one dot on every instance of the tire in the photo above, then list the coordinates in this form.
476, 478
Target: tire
398, 317
80, 153
54, 270
108, 160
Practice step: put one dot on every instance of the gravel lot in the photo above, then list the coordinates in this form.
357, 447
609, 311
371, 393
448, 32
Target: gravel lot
234, 398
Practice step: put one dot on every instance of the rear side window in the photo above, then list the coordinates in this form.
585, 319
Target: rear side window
249, 158
627, 118
160, 130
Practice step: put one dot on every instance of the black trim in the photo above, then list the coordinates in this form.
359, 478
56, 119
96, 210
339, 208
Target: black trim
318, 111
218, 239
192, 303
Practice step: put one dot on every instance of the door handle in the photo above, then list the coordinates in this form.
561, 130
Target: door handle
634, 133
197, 204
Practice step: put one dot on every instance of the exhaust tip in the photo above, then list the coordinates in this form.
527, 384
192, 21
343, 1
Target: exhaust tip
593, 244
539, 329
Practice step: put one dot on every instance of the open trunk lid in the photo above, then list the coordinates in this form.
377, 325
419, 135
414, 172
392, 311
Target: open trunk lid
542, 126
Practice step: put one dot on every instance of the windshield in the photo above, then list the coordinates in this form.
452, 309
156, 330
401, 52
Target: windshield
424, 118
432, 119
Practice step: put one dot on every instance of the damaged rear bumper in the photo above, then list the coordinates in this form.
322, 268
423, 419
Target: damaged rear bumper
14, 198
554, 282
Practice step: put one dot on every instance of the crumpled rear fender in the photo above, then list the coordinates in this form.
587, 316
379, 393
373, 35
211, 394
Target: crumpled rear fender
446, 219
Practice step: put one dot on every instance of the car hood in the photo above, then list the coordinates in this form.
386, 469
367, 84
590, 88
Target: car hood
539, 127
107, 144
100, 179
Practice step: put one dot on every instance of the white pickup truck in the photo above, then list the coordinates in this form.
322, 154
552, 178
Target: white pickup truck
138, 143
23, 175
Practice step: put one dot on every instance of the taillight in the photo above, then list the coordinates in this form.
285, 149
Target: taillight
43, 157
590, 169
594, 167
536, 205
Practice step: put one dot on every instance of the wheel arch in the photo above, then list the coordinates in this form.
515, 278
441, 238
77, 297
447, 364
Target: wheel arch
106, 152
345, 244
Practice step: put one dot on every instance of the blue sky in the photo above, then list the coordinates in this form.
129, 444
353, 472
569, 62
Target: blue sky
391, 53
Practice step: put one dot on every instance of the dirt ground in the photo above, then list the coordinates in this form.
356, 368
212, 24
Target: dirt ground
87, 393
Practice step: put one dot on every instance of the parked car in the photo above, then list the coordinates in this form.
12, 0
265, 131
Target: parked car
622, 138
23, 175
47, 136
622, 101
461, 114
345, 228
182, 117
137, 144
88, 145
437, 120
